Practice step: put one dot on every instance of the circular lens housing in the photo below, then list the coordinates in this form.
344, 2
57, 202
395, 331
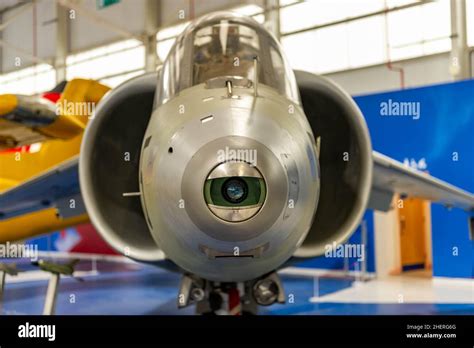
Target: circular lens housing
235, 190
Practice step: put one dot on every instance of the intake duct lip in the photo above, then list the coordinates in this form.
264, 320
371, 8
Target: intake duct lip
118, 127
324, 98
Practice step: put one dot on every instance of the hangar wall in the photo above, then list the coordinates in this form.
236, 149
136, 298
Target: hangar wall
379, 78
20, 34
444, 140
85, 33
442, 132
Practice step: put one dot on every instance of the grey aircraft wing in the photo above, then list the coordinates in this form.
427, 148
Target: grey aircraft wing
392, 177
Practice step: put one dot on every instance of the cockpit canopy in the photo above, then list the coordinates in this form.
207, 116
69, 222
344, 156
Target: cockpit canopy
223, 46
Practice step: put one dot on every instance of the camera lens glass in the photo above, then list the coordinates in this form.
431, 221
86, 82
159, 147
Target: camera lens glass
235, 190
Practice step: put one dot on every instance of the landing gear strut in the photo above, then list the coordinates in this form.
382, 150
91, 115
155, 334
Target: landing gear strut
235, 298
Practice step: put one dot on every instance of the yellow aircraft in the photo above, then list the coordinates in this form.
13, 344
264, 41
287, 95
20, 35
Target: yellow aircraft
37, 135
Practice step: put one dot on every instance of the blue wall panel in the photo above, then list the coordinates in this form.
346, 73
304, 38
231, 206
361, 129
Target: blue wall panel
445, 126
453, 252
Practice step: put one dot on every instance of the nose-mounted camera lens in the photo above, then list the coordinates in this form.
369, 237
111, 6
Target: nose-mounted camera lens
235, 190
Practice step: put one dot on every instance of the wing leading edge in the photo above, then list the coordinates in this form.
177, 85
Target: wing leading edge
392, 177
57, 187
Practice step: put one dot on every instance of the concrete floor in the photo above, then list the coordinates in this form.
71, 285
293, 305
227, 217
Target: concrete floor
121, 288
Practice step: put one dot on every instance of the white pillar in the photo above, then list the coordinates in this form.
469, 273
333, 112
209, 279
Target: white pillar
62, 42
152, 23
51, 295
272, 17
459, 66
3, 276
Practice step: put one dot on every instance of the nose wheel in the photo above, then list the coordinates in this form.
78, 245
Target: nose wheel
234, 298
